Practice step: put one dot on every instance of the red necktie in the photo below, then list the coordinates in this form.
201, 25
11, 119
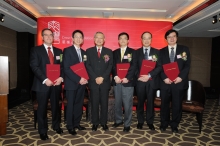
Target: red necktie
99, 52
50, 54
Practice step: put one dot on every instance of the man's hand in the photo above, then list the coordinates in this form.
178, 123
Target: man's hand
177, 80
99, 80
58, 81
143, 78
48, 82
124, 80
117, 80
167, 81
83, 81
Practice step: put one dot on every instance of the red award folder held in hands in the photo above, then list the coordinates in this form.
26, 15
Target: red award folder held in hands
147, 66
122, 69
80, 70
53, 71
171, 70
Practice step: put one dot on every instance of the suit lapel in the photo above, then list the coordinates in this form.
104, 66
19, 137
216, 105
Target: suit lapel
178, 51
44, 54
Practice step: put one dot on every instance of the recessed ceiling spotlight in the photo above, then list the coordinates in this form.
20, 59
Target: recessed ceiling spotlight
214, 19
2, 17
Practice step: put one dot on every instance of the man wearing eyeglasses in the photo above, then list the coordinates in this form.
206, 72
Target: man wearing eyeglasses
40, 56
173, 90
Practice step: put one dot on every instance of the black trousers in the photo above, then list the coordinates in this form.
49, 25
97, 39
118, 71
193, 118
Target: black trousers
54, 94
145, 91
175, 96
99, 97
74, 106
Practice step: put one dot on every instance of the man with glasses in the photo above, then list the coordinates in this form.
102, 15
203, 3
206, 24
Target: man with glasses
74, 84
40, 56
173, 90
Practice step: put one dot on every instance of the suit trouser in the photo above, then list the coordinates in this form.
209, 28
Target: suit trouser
42, 98
174, 95
99, 97
123, 95
74, 111
145, 91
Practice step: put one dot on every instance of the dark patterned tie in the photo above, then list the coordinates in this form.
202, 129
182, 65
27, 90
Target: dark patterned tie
146, 54
50, 54
172, 55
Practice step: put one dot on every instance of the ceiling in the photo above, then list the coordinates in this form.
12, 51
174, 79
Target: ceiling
197, 25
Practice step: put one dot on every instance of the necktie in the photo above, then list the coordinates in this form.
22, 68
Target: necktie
50, 54
122, 54
78, 52
99, 52
172, 55
146, 54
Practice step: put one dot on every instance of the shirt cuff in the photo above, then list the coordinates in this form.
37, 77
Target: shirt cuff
44, 81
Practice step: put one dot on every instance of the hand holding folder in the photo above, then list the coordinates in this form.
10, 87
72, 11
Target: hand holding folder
122, 69
53, 71
171, 70
147, 66
80, 70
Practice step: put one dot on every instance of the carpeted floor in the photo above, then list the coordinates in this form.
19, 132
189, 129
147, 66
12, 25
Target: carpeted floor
21, 132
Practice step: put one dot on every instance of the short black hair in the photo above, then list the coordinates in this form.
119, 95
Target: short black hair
42, 32
169, 32
146, 32
123, 33
77, 31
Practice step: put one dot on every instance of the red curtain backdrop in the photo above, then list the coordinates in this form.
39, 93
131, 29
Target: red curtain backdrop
64, 26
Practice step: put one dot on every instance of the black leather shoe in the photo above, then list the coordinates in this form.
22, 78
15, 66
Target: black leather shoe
126, 129
72, 131
44, 136
104, 127
94, 127
59, 130
175, 130
151, 126
163, 128
80, 127
139, 125
117, 124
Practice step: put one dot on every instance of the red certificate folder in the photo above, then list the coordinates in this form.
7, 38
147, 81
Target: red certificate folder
53, 71
171, 70
80, 70
122, 69
147, 66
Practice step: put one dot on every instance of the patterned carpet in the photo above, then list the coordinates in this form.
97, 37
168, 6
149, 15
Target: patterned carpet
21, 132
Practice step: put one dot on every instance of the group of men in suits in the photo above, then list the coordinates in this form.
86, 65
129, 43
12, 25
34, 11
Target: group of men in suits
100, 62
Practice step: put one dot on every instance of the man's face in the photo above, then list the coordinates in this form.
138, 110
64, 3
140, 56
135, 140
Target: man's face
47, 37
146, 40
123, 40
77, 39
99, 39
172, 39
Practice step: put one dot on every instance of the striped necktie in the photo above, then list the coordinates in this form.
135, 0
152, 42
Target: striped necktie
172, 55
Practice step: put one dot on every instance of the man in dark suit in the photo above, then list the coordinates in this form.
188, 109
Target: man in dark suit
123, 87
44, 87
99, 65
147, 84
74, 84
173, 90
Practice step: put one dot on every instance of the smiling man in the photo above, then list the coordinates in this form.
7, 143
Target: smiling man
99, 66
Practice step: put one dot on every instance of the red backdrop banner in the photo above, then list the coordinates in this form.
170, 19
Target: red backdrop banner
64, 26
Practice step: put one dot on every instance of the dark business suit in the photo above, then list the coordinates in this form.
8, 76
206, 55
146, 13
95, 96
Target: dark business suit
174, 91
74, 90
123, 92
97, 67
147, 90
38, 60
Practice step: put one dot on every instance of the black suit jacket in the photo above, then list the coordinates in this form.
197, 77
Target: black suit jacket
183, 65
97, 67
155, 72
38, 60
70, 57
116, 60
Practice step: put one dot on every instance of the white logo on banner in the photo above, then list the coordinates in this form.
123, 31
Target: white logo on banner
55, 27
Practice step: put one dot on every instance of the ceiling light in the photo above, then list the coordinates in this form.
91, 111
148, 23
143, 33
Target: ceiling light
214, 19
2, 17
219, 18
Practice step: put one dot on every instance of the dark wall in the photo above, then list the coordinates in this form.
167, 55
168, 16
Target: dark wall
215, 68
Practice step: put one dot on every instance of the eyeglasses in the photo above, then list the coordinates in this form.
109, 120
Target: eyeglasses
170, 37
